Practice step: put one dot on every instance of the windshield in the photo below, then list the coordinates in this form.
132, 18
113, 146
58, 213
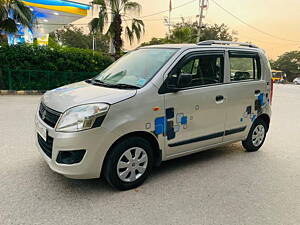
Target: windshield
277, 74
136, 68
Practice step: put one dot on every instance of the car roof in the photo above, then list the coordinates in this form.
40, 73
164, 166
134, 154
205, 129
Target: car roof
210, 45
178, 46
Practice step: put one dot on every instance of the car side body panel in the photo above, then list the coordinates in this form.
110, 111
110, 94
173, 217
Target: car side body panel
182, 122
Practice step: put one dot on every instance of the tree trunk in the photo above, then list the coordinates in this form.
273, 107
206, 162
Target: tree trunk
117, 32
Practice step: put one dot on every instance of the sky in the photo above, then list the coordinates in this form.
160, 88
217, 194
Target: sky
278, 21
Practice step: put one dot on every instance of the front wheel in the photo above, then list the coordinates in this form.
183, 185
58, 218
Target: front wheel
128, 163
256, 136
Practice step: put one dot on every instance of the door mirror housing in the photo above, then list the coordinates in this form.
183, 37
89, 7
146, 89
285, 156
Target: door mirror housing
184, 80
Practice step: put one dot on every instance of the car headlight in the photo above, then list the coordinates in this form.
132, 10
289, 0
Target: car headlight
82, 117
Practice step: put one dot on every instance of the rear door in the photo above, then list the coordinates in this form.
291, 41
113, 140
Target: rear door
245, 93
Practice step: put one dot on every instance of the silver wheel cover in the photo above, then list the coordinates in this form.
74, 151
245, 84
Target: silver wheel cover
258, 135
132, 164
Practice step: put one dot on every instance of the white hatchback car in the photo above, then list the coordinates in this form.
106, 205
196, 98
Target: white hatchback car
296, 80
154, 104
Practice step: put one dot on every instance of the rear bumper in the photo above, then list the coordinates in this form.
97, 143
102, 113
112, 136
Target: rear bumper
96, 142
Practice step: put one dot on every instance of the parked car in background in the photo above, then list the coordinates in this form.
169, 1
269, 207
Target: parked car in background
296, 80
154, 104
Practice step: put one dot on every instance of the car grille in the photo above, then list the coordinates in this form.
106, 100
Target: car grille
46, 146
49, 116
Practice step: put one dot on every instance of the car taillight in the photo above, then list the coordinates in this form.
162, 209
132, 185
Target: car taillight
272, 88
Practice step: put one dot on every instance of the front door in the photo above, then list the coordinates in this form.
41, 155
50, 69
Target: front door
195, 114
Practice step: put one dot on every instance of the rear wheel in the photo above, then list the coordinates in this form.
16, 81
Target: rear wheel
256, 136
128, 163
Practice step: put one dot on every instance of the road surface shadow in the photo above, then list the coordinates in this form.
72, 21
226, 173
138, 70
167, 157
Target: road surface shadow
171, 166
206, 156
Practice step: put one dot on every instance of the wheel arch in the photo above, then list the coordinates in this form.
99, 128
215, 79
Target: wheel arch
142, 134
266, 118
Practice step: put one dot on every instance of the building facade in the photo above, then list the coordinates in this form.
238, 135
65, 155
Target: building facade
50, 15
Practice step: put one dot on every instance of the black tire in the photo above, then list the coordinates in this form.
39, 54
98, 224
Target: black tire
248, 143
110, 170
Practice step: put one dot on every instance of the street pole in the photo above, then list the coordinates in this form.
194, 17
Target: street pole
169, 24
201, 16
94, 43
93, 32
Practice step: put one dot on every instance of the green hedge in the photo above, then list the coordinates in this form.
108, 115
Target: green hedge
39, 68
41, 80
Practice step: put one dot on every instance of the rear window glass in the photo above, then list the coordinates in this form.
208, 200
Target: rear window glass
244, 67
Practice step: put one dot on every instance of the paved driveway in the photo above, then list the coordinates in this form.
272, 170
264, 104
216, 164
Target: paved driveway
221, 186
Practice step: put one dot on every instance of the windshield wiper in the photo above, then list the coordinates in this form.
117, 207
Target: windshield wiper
121, 86
125, 86
99, 83
89, 81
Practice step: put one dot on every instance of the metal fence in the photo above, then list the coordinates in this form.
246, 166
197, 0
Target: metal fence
41, 80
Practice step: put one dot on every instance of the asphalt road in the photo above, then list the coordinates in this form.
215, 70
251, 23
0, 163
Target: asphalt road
224, 185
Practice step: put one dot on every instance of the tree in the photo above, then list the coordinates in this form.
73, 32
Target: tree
71, 36
187, 32
12, 13
218, 32
272, 63
3, 39
75, 37
119, 10
289, 62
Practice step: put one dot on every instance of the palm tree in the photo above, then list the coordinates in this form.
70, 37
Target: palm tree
119, 10
12, 13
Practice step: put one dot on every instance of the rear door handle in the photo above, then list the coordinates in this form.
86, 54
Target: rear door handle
219, 99
257, 92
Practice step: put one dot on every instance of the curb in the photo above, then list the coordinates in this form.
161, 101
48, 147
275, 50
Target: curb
11, 92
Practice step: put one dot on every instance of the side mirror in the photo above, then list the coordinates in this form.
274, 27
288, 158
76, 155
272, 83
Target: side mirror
177, 84
185, 79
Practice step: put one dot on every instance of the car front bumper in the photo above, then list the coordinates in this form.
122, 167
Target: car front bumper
95, 142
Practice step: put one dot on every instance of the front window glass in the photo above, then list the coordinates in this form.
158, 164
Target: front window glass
205, 70
191, 67
136, 68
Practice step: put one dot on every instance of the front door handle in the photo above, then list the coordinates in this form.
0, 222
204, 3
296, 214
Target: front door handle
220, 99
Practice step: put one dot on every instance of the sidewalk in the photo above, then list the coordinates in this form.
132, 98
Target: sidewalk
11, 92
